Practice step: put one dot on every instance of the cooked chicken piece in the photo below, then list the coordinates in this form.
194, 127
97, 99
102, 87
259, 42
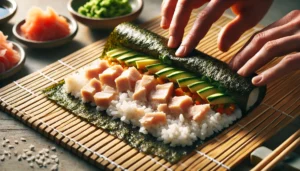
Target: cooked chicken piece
163, 108
103, 99
96, 68
153, 118
88, 91
143, 88
180, 104
198, 112
109, 75
162, 93
126, 81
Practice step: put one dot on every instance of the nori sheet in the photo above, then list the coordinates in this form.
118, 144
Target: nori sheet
145, 143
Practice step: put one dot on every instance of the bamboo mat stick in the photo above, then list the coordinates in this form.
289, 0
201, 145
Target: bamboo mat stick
279, 153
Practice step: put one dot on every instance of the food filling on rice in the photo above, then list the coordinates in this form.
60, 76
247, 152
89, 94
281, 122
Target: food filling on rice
157, 104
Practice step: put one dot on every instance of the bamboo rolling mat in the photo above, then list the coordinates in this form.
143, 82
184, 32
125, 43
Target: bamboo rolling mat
24, 100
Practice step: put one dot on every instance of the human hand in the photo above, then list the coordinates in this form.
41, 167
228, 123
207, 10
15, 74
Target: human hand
176, 13
280, 38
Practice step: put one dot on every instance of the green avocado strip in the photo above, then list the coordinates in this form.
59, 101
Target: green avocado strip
145, 143
211, 69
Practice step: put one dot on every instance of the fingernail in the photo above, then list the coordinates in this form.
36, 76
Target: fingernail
180, 51
163, 22
241, 72
256, 79
171, 42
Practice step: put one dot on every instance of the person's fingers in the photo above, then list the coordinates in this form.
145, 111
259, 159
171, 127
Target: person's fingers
270, 50
179, 21
248, 15
286, 19
286, 65
258, 41
167, 11
203, 22
233, 31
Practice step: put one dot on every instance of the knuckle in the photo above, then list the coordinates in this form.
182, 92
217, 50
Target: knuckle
259, 37
203, 14
295, 24
289, 59
270, 45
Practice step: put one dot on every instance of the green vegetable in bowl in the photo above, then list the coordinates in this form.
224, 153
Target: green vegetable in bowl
105, 8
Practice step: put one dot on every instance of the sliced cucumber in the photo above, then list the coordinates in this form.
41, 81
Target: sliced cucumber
153, 68
132, 61
194, 87
128, 56
117, 52
143, 63
164, 72
174, 76
219, 98
207, 91
184, 82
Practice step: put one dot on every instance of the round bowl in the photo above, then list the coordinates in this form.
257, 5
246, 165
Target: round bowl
19, 65
11, 6
45, 44
104, 23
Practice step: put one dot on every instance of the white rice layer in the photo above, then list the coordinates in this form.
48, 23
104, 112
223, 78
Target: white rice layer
177, 131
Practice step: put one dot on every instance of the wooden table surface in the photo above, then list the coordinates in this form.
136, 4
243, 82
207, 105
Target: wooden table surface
37, 59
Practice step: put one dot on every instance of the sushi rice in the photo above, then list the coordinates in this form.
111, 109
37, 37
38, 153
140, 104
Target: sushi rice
177, 131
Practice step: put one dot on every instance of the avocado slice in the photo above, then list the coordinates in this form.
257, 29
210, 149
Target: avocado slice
184, 82
164, 72
132, 61
174, 76
153, 68
143, 63
198, 85
117, 52
207, 91
219, 98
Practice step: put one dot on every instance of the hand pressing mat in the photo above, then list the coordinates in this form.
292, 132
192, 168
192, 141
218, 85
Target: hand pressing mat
24, 100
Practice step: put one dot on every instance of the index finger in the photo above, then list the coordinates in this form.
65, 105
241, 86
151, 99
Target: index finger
212, 12
167, 11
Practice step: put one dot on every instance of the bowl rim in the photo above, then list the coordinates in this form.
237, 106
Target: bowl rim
74, 12
21, 51
71, 22
11, 12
